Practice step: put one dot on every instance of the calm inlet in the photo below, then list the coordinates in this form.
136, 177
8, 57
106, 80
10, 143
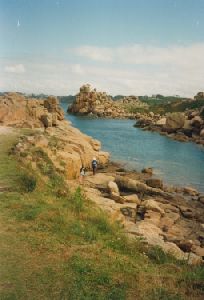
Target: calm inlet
176, 163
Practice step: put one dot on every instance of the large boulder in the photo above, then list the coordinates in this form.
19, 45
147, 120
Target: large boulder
175, 120
128, 184
114, 191
197, 122
152, 205
161, 122
155, 183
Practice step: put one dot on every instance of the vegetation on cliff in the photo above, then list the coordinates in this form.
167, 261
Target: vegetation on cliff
55, 244
163, 105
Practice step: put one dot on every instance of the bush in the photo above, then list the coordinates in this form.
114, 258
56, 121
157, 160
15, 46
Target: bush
77, 200
27, 183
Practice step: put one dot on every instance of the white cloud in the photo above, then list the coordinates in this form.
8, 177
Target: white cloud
148, 55
17, 69
126, 70
77, 69
95, 53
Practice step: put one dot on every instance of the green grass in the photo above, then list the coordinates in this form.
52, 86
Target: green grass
61, 246
166, 104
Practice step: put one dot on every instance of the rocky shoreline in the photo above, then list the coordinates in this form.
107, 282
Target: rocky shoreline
169, 217
164, 216
183, 127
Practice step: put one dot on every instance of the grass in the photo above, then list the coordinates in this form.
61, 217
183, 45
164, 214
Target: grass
60, 246
167, 104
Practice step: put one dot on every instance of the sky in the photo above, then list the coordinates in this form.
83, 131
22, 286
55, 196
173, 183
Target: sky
139, 47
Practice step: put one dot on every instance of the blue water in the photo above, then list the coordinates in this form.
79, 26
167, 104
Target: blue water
176, 163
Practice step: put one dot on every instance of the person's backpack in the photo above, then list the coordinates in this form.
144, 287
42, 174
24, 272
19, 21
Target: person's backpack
94, 163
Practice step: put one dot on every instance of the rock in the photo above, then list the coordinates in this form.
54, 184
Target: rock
100, 180
198, 251
193, 259
90, 102
96, 145
152, 217
168, 220
114, 192
155, 183
161, 122
197, 122
202, 133
113, 188
201, 239
20, 111
127, 184
151, 204
132, 199
187, 125
129, 212
174, 250
201, 198
187, 212
175, 120
190, 191
68, 149
186, 245
147, 171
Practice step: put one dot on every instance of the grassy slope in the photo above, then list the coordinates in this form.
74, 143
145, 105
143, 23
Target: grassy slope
167, 104
57, 245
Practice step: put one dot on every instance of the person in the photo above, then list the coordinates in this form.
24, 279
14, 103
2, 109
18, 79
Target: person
82, 174
94, 165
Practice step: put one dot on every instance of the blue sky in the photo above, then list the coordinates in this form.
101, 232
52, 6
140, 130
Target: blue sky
120, 46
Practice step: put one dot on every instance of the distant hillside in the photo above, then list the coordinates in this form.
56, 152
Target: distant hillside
163, 104
67, 99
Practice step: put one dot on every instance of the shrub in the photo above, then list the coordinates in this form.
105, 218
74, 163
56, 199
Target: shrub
27, 183
77, 200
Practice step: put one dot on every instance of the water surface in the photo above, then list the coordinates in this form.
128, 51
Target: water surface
175, 162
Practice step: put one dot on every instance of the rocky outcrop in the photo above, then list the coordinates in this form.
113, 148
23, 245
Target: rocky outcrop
187, 126
167, 220
66, 147
18, 111
90, 102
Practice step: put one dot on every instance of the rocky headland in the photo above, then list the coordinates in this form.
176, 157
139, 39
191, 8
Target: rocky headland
99, 104
65, 145
161, 215
181, 126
